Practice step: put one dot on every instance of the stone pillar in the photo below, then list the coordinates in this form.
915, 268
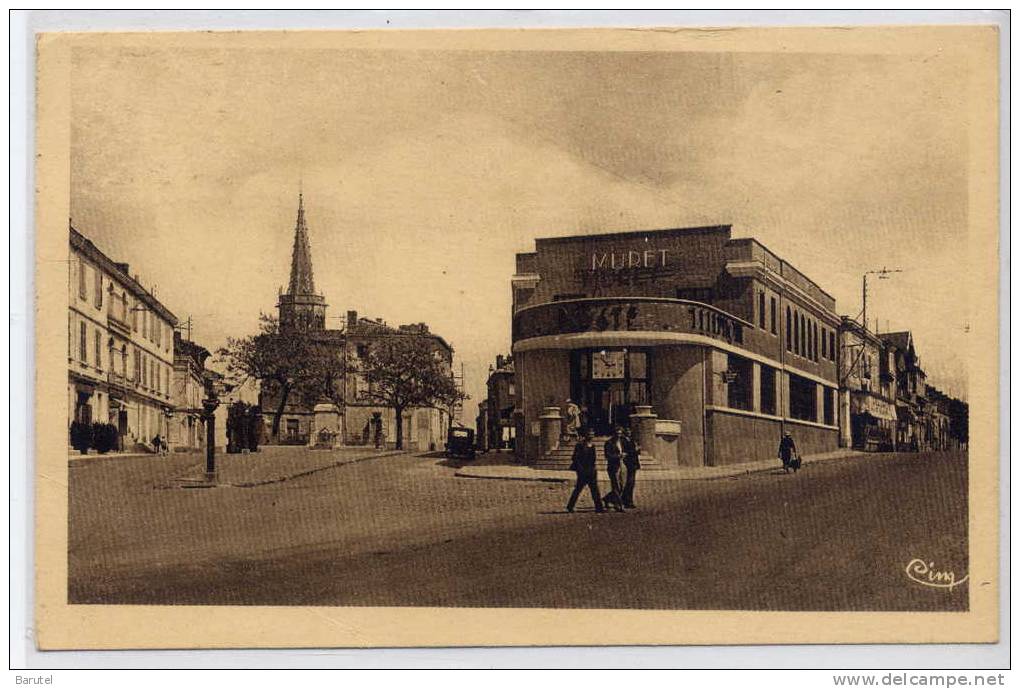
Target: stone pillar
326, 418
642, 423
755, 387
820, 403
552, 428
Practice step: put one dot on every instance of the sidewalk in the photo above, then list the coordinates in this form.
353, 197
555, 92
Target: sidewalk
273, 464
518, 472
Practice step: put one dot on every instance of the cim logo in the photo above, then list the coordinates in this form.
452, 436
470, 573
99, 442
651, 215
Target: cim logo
611, 260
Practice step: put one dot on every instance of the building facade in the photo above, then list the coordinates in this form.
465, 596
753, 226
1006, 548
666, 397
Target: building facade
302, 310
498, 429
120, 348
867, 375
187, 427
716, 344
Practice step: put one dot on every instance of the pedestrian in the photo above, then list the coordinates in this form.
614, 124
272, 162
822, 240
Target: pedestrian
583, 464
631, 462
573, 415
377, 433
615, 449
788, 453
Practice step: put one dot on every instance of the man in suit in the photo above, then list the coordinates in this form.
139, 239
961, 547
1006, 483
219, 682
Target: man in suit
615, 449
583, 463
632, 462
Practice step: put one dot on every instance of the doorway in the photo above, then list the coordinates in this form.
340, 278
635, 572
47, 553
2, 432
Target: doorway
609, 384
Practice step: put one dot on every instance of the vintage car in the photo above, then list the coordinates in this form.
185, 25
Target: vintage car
460, 442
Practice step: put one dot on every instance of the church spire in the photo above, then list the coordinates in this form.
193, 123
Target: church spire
301, 280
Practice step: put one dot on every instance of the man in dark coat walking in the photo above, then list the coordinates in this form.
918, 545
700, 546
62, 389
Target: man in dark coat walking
632, 462
615, 449
583, 463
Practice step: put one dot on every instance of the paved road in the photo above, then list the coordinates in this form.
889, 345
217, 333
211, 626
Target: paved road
404, 531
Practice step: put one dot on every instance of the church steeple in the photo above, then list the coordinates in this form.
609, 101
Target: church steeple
301, 280
300, 307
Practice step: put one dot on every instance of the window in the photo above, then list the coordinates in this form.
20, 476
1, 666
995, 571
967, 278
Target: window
99, 289
832, 345
825, 343
99, 349
761, 310
134, 316
83, 343
814, 340
138, 366
772, 315
796, 333
803, 399
145, 372
738, 382
830, 407
788, 338
803, 336
82, 287
157, 331
767, 385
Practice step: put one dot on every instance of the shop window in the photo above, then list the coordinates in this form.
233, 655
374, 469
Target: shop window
767, 393
738, 382
772, 315
788, 333
761, 310
803, 400
829, 412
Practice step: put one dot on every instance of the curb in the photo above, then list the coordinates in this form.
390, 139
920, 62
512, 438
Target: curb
736, 471
314, 470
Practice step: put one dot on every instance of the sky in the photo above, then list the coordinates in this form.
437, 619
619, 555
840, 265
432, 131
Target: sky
424, 172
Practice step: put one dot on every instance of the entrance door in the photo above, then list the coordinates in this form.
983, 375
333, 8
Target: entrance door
609, 383
606, 405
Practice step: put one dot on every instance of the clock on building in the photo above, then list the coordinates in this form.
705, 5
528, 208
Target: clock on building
608, 364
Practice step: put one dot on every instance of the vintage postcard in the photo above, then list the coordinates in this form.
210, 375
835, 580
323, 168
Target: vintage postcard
480, 338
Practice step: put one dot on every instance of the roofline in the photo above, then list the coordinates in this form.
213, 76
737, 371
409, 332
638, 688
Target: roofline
631, 233
85, 245
783, 261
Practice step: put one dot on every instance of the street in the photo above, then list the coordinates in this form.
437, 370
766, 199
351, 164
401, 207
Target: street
403, 531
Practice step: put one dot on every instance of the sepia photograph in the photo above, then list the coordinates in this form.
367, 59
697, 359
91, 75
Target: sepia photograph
596, 323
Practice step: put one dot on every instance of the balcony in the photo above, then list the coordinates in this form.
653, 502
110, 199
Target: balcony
117, 325
119, 380
632, 314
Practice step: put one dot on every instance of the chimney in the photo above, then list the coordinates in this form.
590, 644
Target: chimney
123, 267
352, 319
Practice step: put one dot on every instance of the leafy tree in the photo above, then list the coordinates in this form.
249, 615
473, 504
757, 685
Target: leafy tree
281, 360
407, 371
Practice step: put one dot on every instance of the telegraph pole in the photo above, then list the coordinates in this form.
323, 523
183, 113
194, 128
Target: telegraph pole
883, 274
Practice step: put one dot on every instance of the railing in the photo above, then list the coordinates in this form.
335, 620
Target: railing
628, 314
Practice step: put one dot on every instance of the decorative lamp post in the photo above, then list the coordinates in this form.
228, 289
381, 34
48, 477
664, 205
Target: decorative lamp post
209, 405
